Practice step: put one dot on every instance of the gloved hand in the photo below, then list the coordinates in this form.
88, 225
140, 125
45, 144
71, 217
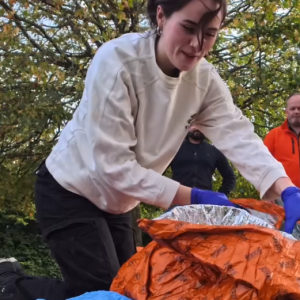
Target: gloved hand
208, 197
291, 199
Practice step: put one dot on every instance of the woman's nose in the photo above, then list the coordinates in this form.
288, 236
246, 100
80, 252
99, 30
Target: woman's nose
195, 42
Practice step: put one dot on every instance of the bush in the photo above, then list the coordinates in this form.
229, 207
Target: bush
24, 242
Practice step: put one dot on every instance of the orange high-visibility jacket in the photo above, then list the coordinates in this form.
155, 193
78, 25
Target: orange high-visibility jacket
283, 143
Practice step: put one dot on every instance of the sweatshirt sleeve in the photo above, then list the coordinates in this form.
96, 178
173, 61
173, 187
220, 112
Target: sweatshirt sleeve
109, 126
233, 134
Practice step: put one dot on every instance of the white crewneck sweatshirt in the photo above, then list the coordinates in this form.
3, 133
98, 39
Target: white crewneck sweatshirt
132, 120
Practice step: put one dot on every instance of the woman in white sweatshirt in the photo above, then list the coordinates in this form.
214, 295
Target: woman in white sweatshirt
141, 93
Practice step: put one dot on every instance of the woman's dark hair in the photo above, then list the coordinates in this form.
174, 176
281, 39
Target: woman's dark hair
171, 6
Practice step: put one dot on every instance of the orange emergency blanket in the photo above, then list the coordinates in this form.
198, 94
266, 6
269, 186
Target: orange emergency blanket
265, 207
189, 261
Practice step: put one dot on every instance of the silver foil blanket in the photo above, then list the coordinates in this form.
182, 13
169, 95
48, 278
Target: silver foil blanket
221, 216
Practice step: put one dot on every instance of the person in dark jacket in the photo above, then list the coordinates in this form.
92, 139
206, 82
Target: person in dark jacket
196, 162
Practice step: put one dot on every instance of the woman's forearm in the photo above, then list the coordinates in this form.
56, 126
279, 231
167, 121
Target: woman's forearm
183, 196
280, 185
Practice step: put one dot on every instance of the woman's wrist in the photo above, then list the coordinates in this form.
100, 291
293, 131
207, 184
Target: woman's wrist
280, 185
183, 196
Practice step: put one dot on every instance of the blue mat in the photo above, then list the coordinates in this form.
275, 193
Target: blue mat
100, 295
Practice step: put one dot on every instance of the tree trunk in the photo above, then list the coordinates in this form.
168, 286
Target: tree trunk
136, 214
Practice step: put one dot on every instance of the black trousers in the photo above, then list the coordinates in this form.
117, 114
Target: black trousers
88, 244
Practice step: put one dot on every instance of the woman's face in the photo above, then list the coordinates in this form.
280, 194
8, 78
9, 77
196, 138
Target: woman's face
179, 42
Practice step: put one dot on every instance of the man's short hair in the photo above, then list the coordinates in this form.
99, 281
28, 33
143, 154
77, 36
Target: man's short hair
292, 95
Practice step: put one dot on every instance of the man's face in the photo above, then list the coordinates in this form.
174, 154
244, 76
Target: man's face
195, 134
293, 110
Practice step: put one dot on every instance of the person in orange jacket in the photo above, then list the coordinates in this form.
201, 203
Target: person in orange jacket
283, 141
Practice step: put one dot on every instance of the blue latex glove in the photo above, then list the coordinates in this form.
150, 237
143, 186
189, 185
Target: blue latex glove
291, 199
208, 197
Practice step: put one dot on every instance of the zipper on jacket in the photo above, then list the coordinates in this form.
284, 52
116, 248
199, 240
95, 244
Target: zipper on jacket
195, 169
293, 145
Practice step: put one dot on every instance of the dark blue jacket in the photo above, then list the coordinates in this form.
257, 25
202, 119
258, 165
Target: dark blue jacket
195, 164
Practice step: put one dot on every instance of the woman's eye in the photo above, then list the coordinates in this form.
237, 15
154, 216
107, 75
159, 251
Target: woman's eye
210, 34
189, 29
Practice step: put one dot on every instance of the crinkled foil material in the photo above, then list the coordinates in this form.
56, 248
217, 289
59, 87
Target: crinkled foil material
220, 216
296, 232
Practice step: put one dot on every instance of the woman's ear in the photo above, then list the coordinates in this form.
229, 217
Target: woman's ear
160, 17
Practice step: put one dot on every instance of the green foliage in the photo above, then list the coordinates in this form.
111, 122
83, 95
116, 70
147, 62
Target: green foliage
25, 243
150, 212
258, 56
243, 189
47, 45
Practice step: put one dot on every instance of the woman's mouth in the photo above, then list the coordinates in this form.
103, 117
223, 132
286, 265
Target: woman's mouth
190, 56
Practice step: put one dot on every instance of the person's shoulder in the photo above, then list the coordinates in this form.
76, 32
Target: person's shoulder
212, 148
127, 48
275, 130
209, 145
274, 134
200, 74
207, 77
205, 67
